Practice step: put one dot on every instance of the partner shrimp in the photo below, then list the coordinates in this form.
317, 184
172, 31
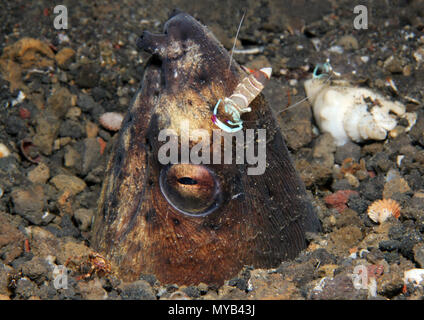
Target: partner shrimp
249, 88
246, 91
238, 103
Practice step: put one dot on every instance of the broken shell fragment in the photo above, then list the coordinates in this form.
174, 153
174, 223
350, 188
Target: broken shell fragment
352, 113
30, 151
111, 120
4, 151
380, 210
414, 276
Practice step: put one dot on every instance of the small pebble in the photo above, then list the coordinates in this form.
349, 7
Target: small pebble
72, 183
59, 102
91, 129
73, 113
395, 185
84, 218
88, 76
419, 254
393, 65
138, 290
349, 42
29, 203
64, 57
40, 174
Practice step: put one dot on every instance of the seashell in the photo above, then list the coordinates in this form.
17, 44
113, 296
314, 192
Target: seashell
4, 151
415, 276
411, 117
30, 151
380, 210
111, 120
20, 98
352, 113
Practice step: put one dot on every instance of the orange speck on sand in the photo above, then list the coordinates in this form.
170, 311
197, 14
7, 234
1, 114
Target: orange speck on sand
27, 247
102, 144
64, 201
404, 289
353, 250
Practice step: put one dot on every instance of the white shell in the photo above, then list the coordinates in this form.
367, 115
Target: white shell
4, 151
111, 120
379, 217
416, 276
21, 97
380, 210
341, 110
267, 71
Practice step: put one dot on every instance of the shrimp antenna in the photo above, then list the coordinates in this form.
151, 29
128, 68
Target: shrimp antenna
306, 98
235, 40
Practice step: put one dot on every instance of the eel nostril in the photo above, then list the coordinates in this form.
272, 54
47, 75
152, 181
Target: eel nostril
153, 43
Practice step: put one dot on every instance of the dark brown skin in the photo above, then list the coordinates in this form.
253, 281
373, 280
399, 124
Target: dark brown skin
189, 223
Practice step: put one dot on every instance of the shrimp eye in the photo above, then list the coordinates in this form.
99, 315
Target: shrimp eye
191, 189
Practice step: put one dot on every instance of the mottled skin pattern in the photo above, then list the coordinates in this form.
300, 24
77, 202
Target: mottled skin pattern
135, 226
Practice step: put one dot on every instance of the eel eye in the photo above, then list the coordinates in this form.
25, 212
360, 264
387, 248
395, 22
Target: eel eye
191, 189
